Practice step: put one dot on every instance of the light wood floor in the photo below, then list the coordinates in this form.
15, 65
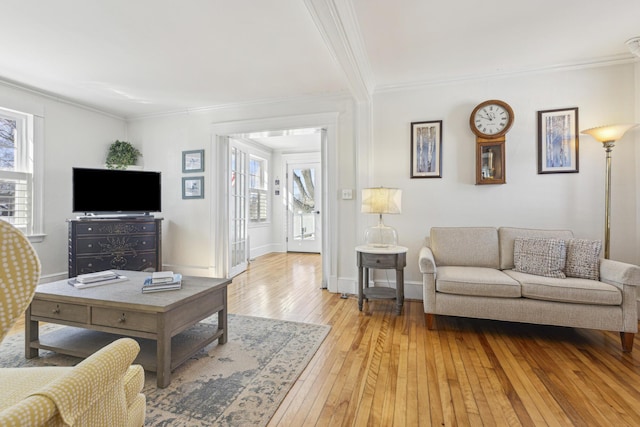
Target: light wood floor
378, 369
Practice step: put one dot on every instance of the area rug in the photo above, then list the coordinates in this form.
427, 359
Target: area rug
240, 383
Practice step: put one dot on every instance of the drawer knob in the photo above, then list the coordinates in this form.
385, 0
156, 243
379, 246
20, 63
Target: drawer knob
89, 245
377, 261
122, 319
56, 310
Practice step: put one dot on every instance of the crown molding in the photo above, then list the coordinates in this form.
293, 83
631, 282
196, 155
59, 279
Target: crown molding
305, 99
57, 98
337, 23
595, 63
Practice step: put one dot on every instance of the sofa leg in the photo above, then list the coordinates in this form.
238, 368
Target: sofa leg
627, 341
429, 318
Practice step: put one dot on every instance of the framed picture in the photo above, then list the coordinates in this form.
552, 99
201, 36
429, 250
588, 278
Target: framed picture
193, 188
558, 141
426, 149
193, 161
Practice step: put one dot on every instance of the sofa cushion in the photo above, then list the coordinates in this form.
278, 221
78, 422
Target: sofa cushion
508, 235
465, 246
583, 258
544, 257
479, 281
572, 290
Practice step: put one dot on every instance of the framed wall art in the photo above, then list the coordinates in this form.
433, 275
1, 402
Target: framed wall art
426, 149
193, 187
193, 161
558, 141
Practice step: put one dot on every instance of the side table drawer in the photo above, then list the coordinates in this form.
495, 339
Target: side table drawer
378, 260
123, 319
59, 311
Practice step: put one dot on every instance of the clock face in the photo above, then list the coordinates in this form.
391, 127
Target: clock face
491, 119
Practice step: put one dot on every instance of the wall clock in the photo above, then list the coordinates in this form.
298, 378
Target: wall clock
490, 121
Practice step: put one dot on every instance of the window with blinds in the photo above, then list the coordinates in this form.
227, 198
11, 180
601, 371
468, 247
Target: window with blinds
258, 193
16, 169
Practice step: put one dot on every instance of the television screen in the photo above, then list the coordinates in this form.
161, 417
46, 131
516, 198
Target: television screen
104, 191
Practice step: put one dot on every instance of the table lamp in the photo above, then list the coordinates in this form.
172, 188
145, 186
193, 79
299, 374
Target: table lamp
381, 200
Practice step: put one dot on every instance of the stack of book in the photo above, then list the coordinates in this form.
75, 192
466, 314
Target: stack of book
162, 281
97, 279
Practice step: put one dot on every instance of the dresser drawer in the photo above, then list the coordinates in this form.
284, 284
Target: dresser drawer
115, 244
114, 227
378, 260
123, 319
140, 262
60, 311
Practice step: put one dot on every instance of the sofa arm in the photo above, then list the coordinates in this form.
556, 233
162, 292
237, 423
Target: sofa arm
426, 262
619, 273
33, 411
94, 392
626, 277
427, 266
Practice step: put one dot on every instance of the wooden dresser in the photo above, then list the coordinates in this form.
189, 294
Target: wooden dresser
128, 243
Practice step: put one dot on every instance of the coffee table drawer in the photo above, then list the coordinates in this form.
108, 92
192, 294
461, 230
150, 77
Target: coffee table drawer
123, 319
60, 311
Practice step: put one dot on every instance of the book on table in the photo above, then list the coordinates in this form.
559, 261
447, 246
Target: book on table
96, 279
175, 283
162, 277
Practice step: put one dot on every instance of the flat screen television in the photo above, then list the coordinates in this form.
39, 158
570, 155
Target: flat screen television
112, 191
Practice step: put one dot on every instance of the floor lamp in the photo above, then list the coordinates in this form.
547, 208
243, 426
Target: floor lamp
608, 135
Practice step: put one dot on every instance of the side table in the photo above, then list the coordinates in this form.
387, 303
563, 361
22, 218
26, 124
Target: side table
371, 257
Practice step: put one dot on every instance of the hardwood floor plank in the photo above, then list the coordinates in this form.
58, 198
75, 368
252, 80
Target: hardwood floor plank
376, 368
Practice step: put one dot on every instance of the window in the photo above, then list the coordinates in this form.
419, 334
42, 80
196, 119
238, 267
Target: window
16, 169
258, 189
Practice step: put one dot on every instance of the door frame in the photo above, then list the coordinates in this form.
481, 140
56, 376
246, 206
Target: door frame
220, 133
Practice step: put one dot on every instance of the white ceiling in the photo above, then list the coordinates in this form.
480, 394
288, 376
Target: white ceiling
144, 57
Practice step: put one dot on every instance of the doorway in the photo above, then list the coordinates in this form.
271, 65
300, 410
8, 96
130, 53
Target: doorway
327, 124
304, 207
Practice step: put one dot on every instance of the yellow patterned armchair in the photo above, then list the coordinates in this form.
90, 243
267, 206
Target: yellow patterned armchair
102, 390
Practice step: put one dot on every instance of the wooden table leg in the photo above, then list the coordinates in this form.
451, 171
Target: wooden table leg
399, 290
360, 290
163, 357
222, 322
31, 334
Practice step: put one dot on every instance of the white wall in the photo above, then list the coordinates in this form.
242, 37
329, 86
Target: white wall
575, 201
73, 136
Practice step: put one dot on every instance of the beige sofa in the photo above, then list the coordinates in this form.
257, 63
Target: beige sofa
473, 272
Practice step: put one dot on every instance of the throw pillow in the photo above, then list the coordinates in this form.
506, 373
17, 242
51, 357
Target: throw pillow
583, 258
542, 257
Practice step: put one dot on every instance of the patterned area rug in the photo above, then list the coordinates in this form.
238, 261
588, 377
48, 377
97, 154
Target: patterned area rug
239, 383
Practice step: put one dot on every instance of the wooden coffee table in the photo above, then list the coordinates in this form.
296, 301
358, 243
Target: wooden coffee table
166, 324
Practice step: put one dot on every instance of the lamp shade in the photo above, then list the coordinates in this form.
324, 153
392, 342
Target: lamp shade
381, 200
610, 133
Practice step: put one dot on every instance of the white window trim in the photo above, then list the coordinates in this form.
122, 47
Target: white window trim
265, 188
33, 135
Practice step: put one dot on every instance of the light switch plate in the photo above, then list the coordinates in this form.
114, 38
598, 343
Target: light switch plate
347, 194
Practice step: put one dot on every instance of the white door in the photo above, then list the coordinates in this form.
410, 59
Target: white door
304, 220
238, 209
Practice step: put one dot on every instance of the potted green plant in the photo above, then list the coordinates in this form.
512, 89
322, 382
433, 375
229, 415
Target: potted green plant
122, 154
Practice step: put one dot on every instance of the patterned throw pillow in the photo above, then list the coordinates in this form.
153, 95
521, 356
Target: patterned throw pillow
542, 257
583, 258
